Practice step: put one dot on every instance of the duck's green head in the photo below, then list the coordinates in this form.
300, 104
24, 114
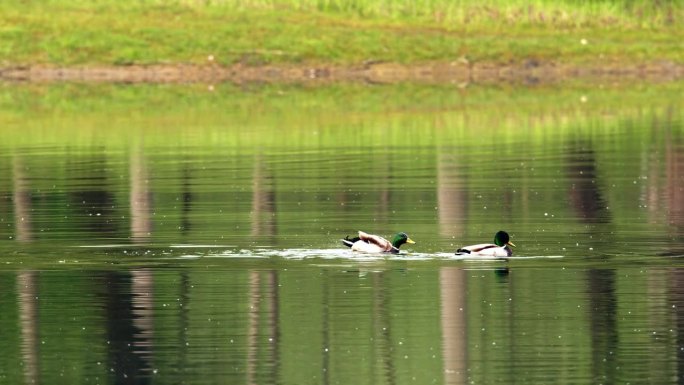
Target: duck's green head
502, 239
401, 238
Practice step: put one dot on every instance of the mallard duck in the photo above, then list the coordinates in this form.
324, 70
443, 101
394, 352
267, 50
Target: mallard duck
500, 248
369, 243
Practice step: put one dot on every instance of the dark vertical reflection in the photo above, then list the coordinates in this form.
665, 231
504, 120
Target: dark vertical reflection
28, 318
129, 326
183, 325
186, 204
263, 200
273, 329
383, 175
22, 202
140, 198
585, 196
674, 172
452, 198
263, 333
587, 201
452, 287
382, 333
142, 285
93, 203
674, 166
325, 349
652, 195
603, 324
676, 294
664, 195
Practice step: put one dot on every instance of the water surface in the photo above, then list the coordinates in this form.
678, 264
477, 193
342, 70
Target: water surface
185, 234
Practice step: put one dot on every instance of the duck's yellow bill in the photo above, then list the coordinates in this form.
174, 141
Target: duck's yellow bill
510, 243
409, 240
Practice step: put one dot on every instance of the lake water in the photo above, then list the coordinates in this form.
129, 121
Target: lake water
190, 234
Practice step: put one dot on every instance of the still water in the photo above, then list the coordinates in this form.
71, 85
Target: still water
191, 234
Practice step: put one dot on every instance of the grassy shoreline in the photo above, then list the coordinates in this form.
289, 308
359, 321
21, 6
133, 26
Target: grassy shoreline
346, 34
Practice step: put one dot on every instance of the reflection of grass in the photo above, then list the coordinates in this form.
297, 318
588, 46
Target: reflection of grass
273, 116
339, 32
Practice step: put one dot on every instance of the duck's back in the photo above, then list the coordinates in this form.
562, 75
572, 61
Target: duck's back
377, 243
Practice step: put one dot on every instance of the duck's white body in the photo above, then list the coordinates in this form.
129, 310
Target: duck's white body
499, 249
369, 243
485, 250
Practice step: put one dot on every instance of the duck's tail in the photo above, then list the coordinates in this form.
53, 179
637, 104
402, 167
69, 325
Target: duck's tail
349, 242
462, 252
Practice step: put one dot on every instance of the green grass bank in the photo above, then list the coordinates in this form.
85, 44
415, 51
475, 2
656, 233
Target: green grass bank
82, 33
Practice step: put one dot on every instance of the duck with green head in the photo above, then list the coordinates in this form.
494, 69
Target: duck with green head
500, 248
369, 243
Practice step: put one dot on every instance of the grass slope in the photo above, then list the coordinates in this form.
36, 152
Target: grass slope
343, 32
